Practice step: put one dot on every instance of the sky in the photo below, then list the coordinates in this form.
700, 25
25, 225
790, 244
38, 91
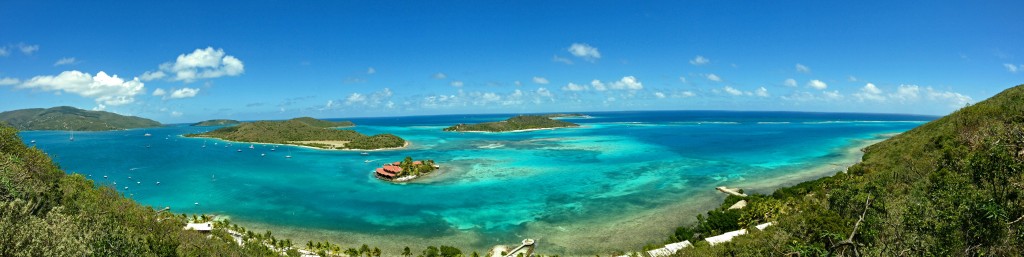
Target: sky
184, 61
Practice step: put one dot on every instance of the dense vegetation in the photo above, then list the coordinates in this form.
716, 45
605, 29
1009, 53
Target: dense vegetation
515, 123
71, 118
219, 122
323, 123
954, 186
295, 130
564, 115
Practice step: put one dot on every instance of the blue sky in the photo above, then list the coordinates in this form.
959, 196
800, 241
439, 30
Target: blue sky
179, 61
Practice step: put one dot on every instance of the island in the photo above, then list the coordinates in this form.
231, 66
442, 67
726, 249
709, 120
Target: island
307, 132
405, 170
566, 115
514, 124
71, 118
218, 122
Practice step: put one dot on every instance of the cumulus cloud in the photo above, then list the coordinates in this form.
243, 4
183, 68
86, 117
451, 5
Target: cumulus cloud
65, 61
8, 81
574, 87
355, 98
1013, 68
762, 92
456, 83
598, 85
802, 68
699, 60
870, 92
27, 49
544, 92
183, 93
200, 64
817, 84
176, 113
684, 94
627, 83
541, 80
789, 82
159, 92
713, 77
103, 88
659, 95
833, 95
584, 51
732, 91
439, 75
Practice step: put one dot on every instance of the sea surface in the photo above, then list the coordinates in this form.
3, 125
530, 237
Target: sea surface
621, 180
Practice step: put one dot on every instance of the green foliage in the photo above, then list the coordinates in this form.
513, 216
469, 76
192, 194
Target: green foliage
512, 124
291, 131
218, 122
71, 118
323, 123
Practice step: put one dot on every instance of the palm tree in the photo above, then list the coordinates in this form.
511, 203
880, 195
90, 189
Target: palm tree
364, 249
376, 252
406, 252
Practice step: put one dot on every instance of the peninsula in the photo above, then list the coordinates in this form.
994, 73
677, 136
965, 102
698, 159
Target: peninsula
71, 118
517, 123
405, 170
566, 115
219, 122
308, 132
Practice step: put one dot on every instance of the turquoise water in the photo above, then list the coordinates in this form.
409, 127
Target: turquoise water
493, 187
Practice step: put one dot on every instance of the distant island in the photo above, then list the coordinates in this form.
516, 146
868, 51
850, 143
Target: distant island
405, 170
517, 123
307, 132
219, 122
71, 118
565, 115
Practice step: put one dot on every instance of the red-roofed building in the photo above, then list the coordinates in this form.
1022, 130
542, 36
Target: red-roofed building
384, 173
396, 163
392, 169
417, 163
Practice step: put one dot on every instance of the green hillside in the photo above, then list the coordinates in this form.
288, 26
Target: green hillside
951, 187
71, 118
324, 123
521, 122
291, 131
218, 122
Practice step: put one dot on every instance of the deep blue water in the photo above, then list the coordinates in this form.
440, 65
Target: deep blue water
494, 187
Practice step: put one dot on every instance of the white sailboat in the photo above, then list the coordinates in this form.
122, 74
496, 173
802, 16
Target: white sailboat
72, 138
251, 146
289, 154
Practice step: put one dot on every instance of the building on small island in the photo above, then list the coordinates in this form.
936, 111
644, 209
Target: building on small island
405, 170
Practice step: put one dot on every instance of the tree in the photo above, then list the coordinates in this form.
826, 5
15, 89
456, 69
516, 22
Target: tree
406, 252
376, 252
364, 250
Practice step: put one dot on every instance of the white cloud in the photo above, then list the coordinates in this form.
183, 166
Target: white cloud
833, 95
574, 87
851, 78
439, 75
713, 77
371, 70
544, 92
628, 83
699, 60
8, 81
659, 94
598, 85
870, 92
684, 94
585, 51
355, 98
817, 84
184, 93
65, 61
789, 82
732, 91
104, 89
4, 51
456, 83
802, 68
955, 100
176, 113
1013, 68
540, 80
560, 59
200, 64
159, 92
762, 92
682, 79
28, 49
490, 97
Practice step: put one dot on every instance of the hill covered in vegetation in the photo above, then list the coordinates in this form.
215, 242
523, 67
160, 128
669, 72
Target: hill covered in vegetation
71, 118
324, 123
517, 123
218, 122
951, 187
306, 132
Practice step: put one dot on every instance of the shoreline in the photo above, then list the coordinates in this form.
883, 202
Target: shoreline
406, 145
515, 131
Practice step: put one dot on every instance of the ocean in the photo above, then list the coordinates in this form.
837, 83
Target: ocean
621, 180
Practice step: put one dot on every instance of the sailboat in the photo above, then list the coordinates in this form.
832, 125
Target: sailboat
204, 144
33, 141
289, 154
72, 138
251, 146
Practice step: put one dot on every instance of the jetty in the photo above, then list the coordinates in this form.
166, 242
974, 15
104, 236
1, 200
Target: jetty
731, 191
526, 249
670, 249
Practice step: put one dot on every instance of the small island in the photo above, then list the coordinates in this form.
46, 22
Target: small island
307, 132
514, 124
71, 118
405, 170
566, 115
218, 122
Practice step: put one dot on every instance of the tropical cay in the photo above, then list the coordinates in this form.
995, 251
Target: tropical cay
405, 170
308, 132
514, 124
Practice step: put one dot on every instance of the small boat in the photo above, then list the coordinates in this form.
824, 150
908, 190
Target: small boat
104, 176
147, 146
263, 154
252, 147
33, 141
273, 149
158, 182
147, 135
364, 153
288, 156
239, 150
